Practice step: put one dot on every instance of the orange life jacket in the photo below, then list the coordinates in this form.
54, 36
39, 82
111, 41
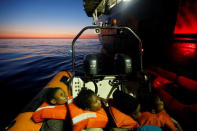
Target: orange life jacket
46, 111
160, 119
82, 119
121, 119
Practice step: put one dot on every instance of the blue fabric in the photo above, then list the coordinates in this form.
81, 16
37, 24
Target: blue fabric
149, 128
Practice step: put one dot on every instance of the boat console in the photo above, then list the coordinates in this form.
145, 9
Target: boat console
104, 75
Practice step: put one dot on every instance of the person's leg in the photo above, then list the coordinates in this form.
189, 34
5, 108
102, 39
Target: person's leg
53, 125
118, 129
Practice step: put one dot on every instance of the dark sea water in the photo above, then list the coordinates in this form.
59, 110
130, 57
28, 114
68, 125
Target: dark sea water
27, 65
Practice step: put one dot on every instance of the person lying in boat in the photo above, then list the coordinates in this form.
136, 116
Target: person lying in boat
157, 116
125, 110
54, 107
86, 111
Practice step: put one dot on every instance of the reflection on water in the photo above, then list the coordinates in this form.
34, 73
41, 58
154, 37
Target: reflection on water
188, 50
27, 65
182, 58
18, 55
184, 51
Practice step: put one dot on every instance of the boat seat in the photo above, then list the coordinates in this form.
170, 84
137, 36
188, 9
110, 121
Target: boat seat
100, 64
123, 64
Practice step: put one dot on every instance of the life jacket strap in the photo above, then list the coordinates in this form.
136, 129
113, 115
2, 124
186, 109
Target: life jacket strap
45, 107
83, 117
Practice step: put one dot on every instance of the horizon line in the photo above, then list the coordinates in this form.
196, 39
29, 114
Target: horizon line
4, 36
49, 38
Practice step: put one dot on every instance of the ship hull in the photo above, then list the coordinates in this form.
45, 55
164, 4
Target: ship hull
154, 22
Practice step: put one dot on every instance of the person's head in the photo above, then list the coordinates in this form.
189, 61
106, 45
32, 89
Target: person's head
87, 100
56, 96
157, 104
127, 104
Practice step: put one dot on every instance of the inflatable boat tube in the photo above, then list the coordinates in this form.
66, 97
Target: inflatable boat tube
23, 122
181, 80
186, 113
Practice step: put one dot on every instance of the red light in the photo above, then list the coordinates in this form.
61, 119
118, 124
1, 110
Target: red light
187, 49
186, 18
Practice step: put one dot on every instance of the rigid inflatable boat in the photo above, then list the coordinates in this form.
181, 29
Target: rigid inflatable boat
96, 77
24, 122
104, 74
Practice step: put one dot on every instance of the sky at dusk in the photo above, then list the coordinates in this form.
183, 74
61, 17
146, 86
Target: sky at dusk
42, 18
